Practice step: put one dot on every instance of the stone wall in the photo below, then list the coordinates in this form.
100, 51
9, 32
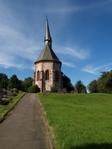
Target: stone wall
51, 82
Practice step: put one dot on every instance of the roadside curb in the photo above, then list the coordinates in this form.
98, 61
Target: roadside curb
7, 112
49, 132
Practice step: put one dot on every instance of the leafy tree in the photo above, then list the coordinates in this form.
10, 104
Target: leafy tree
80, 87
105, 82
14, 82
66, 83
33, 89
20, 85
27, 83
3, 80
93, 86
108, 85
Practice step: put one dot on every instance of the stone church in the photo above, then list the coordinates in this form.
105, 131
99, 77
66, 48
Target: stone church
47, 73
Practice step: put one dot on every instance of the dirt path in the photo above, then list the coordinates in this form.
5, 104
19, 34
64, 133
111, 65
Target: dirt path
24, 128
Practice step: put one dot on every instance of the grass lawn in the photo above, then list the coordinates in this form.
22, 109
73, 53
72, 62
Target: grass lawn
5, 108
80, 121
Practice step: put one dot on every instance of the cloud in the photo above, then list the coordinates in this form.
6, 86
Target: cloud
97, 70
81, 54
68, 8
90, 69
16, 48
63, 10
68, 64
7, 61
14, 45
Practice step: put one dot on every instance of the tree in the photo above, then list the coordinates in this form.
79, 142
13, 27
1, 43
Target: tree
33, 89
80, 87
66, 83
108, 85
3, 80
93, 86
14, 82
105, 82
27, 83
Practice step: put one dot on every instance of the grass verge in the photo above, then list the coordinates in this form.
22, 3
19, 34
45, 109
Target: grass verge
5, 109
80, 121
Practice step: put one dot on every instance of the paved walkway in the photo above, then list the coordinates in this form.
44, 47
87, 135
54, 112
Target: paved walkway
24, 128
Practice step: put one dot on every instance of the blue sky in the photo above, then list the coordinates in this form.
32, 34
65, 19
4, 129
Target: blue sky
81, 32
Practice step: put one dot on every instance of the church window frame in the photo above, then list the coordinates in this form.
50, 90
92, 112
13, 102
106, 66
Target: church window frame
38, 75
47, 75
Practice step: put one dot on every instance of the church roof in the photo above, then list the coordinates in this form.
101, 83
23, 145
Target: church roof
47, 54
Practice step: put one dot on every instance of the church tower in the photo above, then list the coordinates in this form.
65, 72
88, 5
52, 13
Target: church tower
47, 73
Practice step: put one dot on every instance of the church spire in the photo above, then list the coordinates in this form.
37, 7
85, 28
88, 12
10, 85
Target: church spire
47, 38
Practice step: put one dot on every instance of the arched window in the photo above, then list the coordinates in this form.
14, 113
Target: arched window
41, 75
47, 75
38, 75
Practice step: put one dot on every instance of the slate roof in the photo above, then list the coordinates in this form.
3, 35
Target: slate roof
47, 54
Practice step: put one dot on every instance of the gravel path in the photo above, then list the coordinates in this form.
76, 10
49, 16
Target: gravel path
24, 128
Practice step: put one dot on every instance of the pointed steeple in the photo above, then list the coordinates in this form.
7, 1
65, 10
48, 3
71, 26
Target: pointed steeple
47, 54
47, 37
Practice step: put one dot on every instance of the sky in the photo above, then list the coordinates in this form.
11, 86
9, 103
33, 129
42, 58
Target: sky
81, 31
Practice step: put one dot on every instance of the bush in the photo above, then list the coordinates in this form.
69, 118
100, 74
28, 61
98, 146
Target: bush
33, 89
4, 101
64, 90
54, 89
14, 91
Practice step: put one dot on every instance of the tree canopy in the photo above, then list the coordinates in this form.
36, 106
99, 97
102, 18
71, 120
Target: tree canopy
27, 83
14, 82
3, 80
93, 86
80, 87
103, 84
66, 83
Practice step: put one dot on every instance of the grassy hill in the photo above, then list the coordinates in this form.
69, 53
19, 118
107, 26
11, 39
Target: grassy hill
80, 121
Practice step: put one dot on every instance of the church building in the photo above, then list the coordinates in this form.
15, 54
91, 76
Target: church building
47, 73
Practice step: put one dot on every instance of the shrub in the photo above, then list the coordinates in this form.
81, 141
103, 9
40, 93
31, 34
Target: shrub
54, 89
4, 101
14, 94
33, 89
14, 91
64, 91
9, 93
